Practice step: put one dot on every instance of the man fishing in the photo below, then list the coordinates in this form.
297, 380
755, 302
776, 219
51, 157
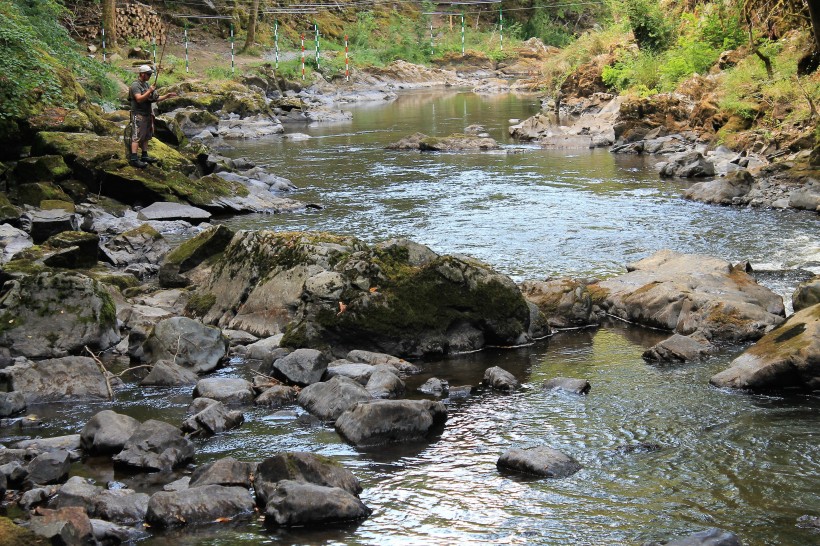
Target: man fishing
142, 95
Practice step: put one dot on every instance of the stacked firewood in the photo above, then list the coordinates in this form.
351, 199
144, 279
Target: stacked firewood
140, 22
135, 21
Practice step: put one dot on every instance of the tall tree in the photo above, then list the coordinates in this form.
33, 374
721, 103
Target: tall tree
252, 25
109, 17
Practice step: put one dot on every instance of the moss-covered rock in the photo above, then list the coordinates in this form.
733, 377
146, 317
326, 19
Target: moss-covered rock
8, 212
83, 152
37, 192
52, 314
786, 357
47, 168
14, 535
60, 119
78, 249
54, 204
191, 253
195, 99
337, 293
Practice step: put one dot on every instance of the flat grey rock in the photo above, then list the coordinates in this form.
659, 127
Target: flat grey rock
173, 211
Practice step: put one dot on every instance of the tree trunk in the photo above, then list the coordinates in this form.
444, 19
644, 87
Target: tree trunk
814, 11
252, 25
109, 17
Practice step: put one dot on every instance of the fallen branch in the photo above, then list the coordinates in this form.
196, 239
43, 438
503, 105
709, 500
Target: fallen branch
104, 372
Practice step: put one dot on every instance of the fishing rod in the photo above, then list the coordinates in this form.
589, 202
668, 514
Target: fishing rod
159, 64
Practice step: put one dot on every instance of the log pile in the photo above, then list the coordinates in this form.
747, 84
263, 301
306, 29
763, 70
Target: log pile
140, 22
135, 21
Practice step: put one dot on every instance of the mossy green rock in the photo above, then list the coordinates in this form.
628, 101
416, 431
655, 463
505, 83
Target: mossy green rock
77, 249
52, 314
786, 357
145, 186
191, 253
8, 212
54, 204
83, 152
47, 168
14, 535
37, 192
337, 293
60, 119
198, 100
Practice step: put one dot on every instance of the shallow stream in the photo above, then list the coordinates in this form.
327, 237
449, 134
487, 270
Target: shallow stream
664, 453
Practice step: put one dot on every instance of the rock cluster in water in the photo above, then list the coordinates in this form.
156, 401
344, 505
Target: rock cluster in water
326, 320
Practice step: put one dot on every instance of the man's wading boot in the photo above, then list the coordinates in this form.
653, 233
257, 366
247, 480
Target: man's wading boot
134, 161
148, 159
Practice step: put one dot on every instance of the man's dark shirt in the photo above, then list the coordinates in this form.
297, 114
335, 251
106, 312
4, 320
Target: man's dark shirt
144, 107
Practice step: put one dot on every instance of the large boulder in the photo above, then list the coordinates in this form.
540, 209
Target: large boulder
499, 379
788, 356
49, 467
685, 293
52, 314
118, 505
204, 504
329, 292
69, 525
296, 504
302, 367
304, 468
389, 421
166, 373
188, 343
384, 382
328, 400
70, 377
156, 446
678, 348
107, 432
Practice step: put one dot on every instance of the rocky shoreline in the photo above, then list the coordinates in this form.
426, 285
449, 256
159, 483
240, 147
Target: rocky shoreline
325, 321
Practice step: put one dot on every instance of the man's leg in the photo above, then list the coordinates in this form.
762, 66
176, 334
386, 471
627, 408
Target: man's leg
134, 159
145, 157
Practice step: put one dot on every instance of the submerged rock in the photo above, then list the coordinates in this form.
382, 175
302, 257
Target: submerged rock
567, 384
541, 461
453, 143
709, 537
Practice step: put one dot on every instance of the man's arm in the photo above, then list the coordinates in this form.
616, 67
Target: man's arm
167, 96
142, 97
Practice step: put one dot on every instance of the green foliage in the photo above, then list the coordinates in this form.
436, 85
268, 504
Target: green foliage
34, 48
639, 72
649, 26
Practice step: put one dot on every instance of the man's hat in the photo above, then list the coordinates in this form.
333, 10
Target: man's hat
145, 68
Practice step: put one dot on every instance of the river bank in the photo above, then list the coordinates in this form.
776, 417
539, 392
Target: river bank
254, 346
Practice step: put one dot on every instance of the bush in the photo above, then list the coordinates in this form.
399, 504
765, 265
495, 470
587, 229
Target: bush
649, 26
34, 51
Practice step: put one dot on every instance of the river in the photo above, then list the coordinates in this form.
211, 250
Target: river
745, 463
